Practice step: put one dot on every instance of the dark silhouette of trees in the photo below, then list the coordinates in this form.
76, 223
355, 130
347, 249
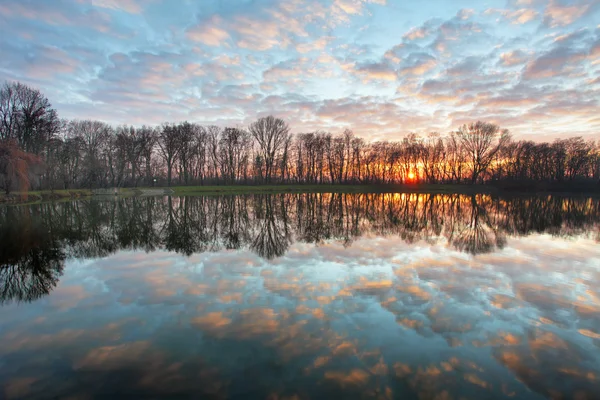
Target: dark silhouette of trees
169, 145
270, 134
480, 142
92, 154
90, 139
147, 141
27, 117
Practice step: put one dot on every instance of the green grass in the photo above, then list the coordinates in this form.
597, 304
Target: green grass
40, 196
34, 197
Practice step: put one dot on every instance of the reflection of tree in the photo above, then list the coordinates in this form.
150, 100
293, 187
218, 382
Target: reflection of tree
31, 261
36, 239
179, 227
478, 234
272, 238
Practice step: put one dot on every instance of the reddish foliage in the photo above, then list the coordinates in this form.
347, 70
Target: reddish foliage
15, 165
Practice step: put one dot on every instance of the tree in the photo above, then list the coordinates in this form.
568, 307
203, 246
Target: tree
481, 143
579, 157
147, 140
186, 149
432, 154
132, 146
169, 145
15, 165
270, 134
88, 139
233, 154
27, 117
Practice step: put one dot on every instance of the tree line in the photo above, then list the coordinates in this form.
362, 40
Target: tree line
63, 154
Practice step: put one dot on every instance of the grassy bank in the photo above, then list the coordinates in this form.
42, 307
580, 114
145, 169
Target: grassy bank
39, 196
33, 197
70, 194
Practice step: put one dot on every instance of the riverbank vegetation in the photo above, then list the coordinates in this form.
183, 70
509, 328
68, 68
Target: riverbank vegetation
38, 149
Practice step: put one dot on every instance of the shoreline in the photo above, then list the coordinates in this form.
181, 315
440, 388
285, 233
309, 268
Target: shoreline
34, 197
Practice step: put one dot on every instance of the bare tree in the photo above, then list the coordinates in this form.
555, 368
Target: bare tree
147, 140
169, 145
92, 137
26, 116
481, 142
270, 134
186, 150
233, 154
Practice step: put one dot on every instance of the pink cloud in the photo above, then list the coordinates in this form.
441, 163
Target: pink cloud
511, 58
557, 15
210, 33
519, 16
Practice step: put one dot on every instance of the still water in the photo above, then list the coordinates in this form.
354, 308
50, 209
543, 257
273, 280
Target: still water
301, 296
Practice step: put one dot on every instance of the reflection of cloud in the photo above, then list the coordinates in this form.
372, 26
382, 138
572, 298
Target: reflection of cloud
474, 379
116, 357
415, 291
211, 322
18, 388
355, 377
536, 366
365, 286
344, 349
588, 333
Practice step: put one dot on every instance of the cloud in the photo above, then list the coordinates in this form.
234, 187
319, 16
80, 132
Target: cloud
375, 71
416, 33
557, 15
465, 13
468, 66
315, 45
59, 14
418, 64
342, 10
209, 32
229, 63
556, 62
519, 16
512, 58
129, 6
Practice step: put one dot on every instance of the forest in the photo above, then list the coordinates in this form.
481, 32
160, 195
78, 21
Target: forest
41, 151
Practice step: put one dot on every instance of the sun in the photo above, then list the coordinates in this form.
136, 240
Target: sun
411, 176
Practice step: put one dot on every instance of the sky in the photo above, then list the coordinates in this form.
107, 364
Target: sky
383, 68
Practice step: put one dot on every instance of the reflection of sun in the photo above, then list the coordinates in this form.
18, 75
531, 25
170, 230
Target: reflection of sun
411, 176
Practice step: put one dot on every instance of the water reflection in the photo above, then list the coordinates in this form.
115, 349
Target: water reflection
404, 297
37, 239
31, 259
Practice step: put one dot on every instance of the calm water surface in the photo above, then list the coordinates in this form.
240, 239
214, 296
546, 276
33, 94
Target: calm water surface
386, 296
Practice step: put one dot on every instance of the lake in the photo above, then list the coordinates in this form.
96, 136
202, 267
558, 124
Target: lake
301, 296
